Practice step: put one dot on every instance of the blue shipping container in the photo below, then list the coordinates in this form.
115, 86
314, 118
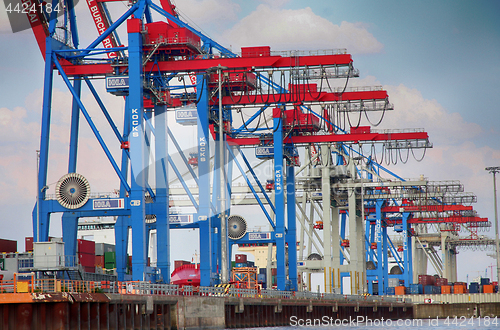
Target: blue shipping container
436, 290
485, 281
416, 289
429, 289
474, 288
261, 278
240, 264
391, 290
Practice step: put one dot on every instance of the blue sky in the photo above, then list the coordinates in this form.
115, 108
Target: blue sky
438, 60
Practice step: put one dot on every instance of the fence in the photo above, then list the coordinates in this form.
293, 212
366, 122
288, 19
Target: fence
26, 283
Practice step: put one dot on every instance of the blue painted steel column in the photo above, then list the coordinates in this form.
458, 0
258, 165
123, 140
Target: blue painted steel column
137, 142
204, 182
41, 218
385, 257
291, 234
69, 231
279, 199
122, 222
343, 220
75, 120
407, 276
381, 247
161, 168
216, 220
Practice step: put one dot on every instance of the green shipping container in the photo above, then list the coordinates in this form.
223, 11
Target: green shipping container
110, 265
109, 257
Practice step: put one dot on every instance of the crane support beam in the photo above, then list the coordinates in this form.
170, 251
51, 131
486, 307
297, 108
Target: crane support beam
358, 137
202, 65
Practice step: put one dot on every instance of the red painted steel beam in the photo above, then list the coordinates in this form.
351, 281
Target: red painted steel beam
234, 63
303, 97
359, 137
451, 219
421, 208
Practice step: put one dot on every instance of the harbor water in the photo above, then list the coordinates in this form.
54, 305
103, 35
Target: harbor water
409, 324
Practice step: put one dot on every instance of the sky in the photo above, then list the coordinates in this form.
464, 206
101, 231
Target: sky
438, 60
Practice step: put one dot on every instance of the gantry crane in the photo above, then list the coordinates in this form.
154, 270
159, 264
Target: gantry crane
283, 88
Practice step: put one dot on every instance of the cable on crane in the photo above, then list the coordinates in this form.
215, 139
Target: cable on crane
381, 118
423, 155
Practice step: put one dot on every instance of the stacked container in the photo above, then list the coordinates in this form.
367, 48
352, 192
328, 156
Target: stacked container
178, 263
109, 260
100, 250
460, 287
416, 289
86, 255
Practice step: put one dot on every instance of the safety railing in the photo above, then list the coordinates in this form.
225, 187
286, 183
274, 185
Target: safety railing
26, 283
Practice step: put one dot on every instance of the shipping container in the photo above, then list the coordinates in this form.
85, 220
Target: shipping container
240, 264
445, 289
85, 246
375, 288
459, 288
110, 265
426, 280
262, 270
101, 248
48, 255
441, 281
485, 281
86, 259
99, 261
428, 289
89, 269
416, 289
394, 282
436, 289
28, 244
110, 257
7, 245
474, 288
261, 278
241, 258
488, 288
390, 291
400, 290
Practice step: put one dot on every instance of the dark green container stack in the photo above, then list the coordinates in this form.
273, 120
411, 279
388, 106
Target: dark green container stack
109, 260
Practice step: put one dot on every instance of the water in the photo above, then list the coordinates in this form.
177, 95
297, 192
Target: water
417, 324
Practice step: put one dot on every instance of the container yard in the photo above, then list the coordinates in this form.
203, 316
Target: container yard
332, 208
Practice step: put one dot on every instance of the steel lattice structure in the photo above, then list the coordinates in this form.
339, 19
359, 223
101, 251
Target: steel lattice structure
280, 88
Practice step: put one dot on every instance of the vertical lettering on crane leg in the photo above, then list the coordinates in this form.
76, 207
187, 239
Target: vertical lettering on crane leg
202, 150
135, 123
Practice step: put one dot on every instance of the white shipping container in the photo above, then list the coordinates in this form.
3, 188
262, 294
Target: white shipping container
393, 282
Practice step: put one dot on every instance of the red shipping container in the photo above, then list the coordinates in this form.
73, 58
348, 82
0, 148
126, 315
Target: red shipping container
28, 244
426, 280
241, 258
274, 271
441, 281
255, 51
86, 259
89, 269
85, 246
7, 245
99, 261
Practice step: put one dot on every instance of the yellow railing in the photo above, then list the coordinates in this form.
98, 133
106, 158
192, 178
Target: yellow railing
26, 283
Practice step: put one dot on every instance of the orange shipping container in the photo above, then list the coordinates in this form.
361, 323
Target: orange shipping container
458, 289
488, 288
400, 290
446, 289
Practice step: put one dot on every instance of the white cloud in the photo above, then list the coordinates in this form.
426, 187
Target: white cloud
285, 29
207, 12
